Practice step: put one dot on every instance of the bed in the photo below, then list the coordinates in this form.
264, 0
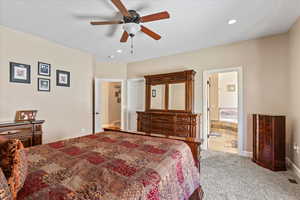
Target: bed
114, 166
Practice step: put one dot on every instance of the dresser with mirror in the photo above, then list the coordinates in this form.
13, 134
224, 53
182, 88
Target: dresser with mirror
169, 108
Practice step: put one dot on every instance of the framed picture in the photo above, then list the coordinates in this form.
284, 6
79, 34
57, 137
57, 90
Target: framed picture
153, 93
62, 78
25, 115
19, 73
44, 69
43, 84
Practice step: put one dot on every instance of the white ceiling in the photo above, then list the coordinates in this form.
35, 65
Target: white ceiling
194, 24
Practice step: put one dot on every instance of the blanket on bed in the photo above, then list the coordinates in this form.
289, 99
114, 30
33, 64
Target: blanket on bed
111, 166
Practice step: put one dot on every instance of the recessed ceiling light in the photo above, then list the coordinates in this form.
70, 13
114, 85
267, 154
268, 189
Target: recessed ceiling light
232, 21
119, 51
112, 56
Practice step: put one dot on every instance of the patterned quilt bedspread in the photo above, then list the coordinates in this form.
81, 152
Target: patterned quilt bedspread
111, 166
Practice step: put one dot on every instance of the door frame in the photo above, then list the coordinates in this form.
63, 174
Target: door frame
98, 81
241, 118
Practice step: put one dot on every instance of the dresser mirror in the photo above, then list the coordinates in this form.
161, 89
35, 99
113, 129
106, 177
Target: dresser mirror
177, 96
171, 92
158, 97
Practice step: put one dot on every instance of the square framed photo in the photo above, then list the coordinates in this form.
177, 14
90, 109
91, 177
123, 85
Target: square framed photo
19, 73
44, 69
43, 85
62, 78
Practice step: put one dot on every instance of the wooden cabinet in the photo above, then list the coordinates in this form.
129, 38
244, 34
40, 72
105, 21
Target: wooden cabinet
29, 133
170, 124
269, 141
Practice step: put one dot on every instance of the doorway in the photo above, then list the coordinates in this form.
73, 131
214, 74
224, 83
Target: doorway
108, 104
223, 110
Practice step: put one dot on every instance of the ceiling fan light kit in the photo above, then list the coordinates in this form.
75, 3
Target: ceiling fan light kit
131, 28
132, 20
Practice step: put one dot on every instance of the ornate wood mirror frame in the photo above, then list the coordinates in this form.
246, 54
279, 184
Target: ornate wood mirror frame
186, 77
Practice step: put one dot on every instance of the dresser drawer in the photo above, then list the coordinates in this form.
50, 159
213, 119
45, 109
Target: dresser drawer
162, 118
183, 119
144, 117
170, 124
16, 130
161, 128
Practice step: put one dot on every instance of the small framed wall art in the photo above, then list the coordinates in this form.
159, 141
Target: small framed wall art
43, 85
62, 78
20, 73
44, 69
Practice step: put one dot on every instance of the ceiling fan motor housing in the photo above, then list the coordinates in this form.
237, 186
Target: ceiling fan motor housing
134, 18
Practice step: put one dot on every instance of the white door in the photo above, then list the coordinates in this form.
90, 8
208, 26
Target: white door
135, 101
97, 106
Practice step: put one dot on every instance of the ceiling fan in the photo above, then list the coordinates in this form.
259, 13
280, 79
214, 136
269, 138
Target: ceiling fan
132, 20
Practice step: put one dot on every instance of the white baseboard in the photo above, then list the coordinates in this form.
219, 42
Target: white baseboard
293, 167
246, 154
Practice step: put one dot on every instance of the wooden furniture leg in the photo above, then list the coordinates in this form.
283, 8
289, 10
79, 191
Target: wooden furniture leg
197, 195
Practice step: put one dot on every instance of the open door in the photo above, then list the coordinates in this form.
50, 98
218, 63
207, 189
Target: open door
223, 110
135, 101
109, 104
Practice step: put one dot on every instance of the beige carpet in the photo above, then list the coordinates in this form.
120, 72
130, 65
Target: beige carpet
227, 176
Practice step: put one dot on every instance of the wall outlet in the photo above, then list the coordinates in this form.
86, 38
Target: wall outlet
82, 130
296, 148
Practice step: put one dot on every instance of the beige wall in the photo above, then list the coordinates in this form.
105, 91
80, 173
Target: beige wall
111, 70
67, 111
264, 63
293, 100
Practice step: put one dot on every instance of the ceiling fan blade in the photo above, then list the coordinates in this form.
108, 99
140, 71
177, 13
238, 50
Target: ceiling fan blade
150, 33
155, 17
121, 7
106, 23
124, 37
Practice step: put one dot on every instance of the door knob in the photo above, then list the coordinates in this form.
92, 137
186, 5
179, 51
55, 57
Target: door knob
97, 113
